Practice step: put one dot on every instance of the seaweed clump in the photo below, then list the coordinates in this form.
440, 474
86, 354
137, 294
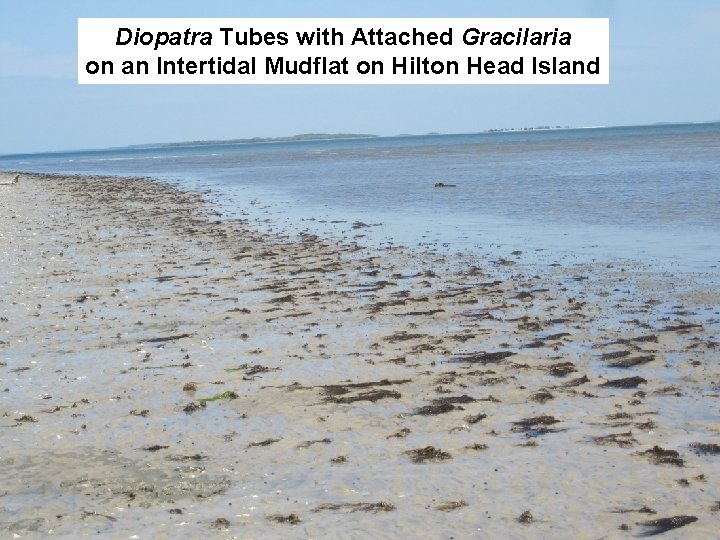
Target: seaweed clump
660, 456
428, 453
292, 519
537, 425
705, 448
659, 526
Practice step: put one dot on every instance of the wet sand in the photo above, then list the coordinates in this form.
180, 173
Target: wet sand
165, 374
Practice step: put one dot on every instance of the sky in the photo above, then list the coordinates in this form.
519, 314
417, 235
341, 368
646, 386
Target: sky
665, 67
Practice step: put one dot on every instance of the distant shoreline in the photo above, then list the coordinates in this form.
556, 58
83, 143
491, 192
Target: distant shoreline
319, 137
259, 140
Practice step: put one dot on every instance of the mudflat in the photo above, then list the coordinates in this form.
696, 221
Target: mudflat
166, 373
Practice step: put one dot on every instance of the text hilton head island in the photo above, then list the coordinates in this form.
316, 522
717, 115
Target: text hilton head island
403, 65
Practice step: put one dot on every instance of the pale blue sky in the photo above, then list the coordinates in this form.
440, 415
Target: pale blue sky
665, 67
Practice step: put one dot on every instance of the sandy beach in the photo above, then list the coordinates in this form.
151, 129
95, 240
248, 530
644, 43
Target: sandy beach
168, 374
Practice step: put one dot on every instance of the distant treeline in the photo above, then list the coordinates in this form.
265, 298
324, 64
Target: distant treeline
291, 138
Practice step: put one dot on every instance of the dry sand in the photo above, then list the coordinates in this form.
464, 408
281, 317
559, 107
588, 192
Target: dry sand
166, 374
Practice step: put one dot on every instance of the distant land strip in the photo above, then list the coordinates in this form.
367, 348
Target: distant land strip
291, 138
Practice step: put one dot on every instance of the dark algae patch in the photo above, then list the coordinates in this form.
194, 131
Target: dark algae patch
192, 407
562, 369
357, 507
308, 444
291, 519
706, 448
220, 397
614, 355
454, 399
428, 453
220, 524
251, 369
525, 518
165, 339
627, 382
541, 396
365, 391
660, 456
431, 410
371, 395
451, 505
623, 440
154, 447
537, 425
266, 442
576, 382
482, 357
476, 446
643, 510
631, 362
662, 525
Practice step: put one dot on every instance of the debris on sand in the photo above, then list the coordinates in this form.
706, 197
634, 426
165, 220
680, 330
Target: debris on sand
536, 425
220, 523
614, 355
402, 335
623, 440
337, 393
541, 396
431, 410
428, 453
308, 444
525, 518
154, 447
451, 505
292, 519
482, 357
357, 507
681, 327
659, 526
562, 369
266, 442
162, 339
476, 446
575, 382
643, 510
220, 397
183, 458
371, 395
632, 361
454, 399
705, 448
192, 407
251, 369
660, 456
627, 382
344, 388
650, 338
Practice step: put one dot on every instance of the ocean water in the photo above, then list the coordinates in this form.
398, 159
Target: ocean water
647, 193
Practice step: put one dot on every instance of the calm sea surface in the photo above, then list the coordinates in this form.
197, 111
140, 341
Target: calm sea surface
650, 193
